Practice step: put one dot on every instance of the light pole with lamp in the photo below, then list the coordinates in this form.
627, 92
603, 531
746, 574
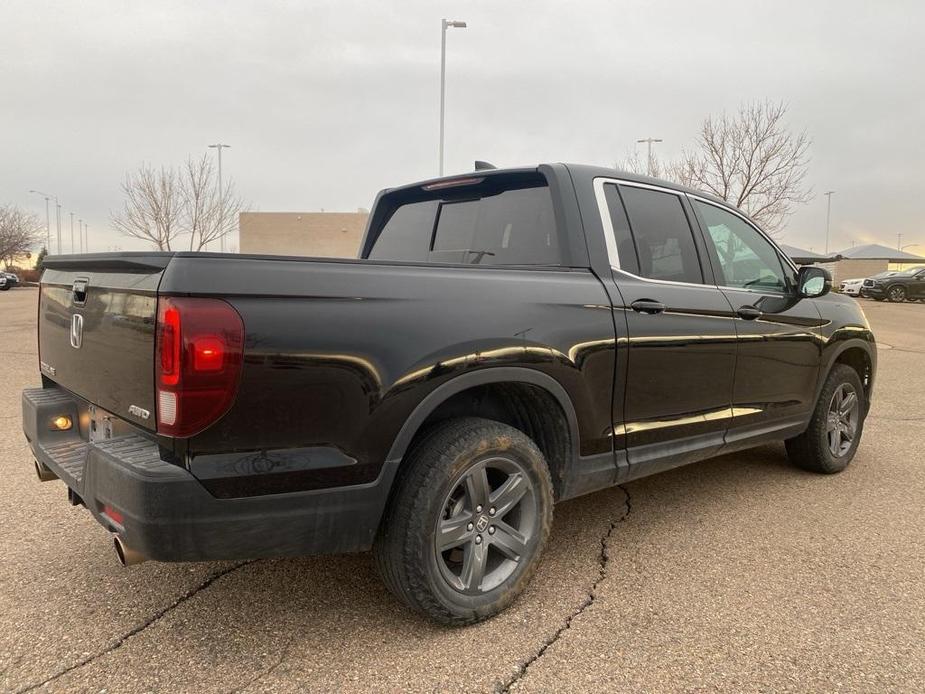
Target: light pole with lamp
444, 24
648, 141
221, 193
47, 217
828, 217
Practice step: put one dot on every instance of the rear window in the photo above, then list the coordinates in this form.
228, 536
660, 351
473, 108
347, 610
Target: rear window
478, 225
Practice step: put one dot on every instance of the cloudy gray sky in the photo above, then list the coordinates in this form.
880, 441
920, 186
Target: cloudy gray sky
324, 103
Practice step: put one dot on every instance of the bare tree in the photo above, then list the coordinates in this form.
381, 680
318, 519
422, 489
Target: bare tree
633, 163
152, 207
752, 160
20, 232
208, 214
162, 206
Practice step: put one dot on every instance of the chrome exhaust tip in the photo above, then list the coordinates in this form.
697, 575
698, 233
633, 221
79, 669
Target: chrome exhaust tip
44, 474
126, 555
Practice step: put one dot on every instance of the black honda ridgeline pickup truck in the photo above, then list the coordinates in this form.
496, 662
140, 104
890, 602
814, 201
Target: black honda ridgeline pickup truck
507, 339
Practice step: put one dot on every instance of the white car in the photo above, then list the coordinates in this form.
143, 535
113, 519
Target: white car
852, 287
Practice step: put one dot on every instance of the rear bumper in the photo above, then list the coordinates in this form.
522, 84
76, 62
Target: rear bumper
166, 513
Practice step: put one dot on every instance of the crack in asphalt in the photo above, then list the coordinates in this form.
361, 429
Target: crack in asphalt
908, 350
153, 619
283, 654
895, 419
603, 561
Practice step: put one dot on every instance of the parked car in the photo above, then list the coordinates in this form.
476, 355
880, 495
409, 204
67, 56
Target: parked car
8, 280
897, 286
507, 339
851, 287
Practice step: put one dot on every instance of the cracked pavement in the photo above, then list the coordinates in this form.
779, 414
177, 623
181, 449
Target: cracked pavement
736, 574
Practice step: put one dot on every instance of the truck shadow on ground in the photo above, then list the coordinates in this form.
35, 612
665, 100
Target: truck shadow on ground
326, 620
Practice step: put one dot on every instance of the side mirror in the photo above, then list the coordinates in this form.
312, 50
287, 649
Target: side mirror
813, 281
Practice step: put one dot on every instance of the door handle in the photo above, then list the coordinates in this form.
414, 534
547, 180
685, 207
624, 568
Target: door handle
648, 306
748, 312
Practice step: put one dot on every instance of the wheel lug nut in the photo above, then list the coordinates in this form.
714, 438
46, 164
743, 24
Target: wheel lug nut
469, 527
478, 509
491, 511
478, 539
491, 530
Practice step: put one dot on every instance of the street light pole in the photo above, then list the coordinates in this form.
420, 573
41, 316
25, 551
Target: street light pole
47, 217
444, 24
648, 141
58, 223
221, 193
828, 217
72, 232
80, 233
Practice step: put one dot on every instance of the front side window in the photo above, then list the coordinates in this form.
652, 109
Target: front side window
664, 242
747, 260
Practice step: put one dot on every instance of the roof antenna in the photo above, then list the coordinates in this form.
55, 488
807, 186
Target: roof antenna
483, 165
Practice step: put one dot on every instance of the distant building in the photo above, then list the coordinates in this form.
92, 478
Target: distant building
803, 257
869, 259
318, 234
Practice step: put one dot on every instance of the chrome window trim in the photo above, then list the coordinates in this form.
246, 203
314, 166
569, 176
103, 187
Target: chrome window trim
610, 238
611, 244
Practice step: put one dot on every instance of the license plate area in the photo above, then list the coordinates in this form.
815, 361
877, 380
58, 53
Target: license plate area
101, 424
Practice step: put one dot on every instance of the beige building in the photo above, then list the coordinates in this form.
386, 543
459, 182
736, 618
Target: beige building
857, 268
318, 234
856, 263
871, 259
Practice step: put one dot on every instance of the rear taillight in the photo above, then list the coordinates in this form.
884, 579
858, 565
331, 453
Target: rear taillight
200, 343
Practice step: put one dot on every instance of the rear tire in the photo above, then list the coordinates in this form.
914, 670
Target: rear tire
467, 522
829, 443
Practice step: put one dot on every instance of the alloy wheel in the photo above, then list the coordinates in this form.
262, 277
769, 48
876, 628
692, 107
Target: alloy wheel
897, 294
842, 419
487, 525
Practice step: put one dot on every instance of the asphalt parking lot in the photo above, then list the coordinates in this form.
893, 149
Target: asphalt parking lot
737, 574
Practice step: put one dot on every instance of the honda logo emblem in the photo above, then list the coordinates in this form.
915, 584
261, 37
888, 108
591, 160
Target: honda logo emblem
77, 330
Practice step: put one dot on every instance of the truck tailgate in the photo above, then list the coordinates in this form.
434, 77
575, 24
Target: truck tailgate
97, 320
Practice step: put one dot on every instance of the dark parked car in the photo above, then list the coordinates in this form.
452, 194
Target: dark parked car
8, 280
896, 286
507, 339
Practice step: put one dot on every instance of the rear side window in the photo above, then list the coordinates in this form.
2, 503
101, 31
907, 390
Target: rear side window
664, 241
514, 226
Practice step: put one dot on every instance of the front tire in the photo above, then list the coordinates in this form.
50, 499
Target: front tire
829, 443
468, 521
896, 294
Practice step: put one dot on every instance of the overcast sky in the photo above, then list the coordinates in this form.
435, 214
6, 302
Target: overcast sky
324, 103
